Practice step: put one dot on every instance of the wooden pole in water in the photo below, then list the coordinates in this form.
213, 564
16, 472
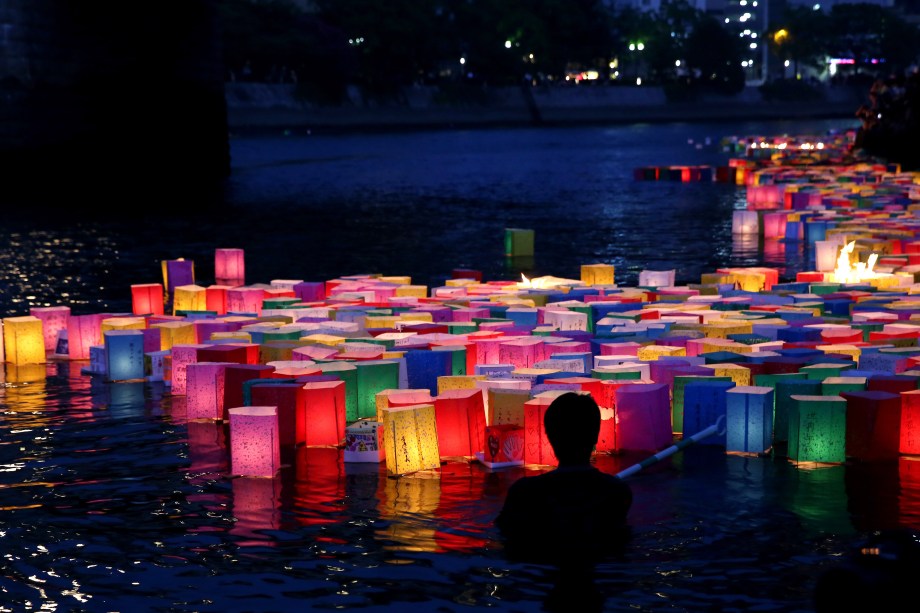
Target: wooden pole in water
704, 433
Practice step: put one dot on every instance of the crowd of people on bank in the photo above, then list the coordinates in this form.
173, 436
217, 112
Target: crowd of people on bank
891, 120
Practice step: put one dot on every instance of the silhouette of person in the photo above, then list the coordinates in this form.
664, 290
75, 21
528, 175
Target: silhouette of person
574, 513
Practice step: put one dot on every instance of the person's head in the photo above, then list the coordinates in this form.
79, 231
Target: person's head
572, 423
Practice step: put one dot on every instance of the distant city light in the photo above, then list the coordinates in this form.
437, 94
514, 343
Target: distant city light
639, 82
753, 45
640, 46
677, 62
753, 34
816, 7
726, 20
743, 3
754, 3
507, 44
786, 63
744, 63
632, 46
463, 60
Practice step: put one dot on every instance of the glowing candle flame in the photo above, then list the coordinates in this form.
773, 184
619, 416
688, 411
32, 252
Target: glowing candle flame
848, 272
545, 282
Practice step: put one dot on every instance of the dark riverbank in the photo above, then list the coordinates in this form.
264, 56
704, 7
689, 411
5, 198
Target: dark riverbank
255, 107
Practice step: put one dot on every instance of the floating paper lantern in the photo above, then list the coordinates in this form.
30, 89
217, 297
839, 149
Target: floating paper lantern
522, 352
254, 441
503, 445
458, 382
229, 267
678, 388
657, 278
23, 340
826, 255
204, 390
235, 375
182, 356
817, 429
374, 376
597, 274
910, 423
537, 448
147, 299
461, 421
364, 441
411, 439
705, 401
283, 394
189, 298
784, 404
124, 351
643, 416
400, 398
873, 425
749, 419
54, 320
176, 273
519, 242
321, 414
349, 374
175, 333
423, 367
506, 406
745, 222
245, 300
215, 297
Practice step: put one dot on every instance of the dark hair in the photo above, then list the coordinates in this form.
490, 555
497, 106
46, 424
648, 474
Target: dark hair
572, 423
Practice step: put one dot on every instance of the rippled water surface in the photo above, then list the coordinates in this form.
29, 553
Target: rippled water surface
111, 501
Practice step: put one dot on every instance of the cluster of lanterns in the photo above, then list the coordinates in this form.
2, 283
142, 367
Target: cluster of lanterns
821, 369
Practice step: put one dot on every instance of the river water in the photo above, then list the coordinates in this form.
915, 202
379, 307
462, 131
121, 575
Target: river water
111, 501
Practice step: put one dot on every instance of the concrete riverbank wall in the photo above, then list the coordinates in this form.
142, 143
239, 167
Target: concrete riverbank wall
260, 106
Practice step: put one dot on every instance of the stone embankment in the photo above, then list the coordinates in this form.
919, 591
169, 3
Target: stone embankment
263, 106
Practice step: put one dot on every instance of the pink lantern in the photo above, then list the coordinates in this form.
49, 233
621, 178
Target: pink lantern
461, 419
204, 390
229, 267
54, 319
522, 352
320, 419
147, 299
182, 356
83, 331
910, 423
254, 444
245, 300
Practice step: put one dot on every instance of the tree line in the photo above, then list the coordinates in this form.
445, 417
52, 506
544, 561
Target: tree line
470, 45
